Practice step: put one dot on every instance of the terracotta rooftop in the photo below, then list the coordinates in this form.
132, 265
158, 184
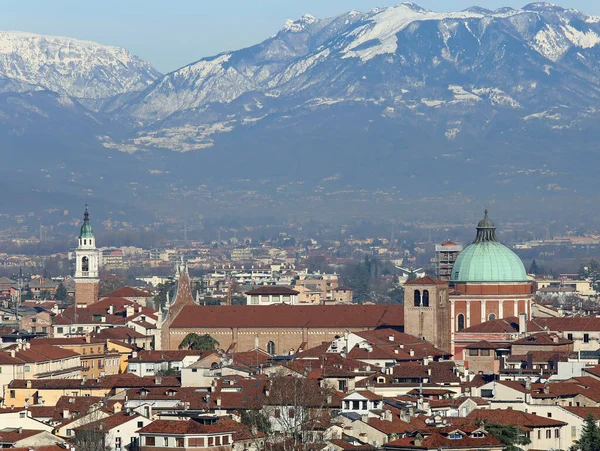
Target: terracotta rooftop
574, 323
286, 316
483, 344
526, 421
427, 280
189, 427
117, 333
12, 435
126, 380
275, 290
542, 339
110, 422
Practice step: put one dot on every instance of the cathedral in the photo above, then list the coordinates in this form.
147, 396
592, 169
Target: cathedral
488, 281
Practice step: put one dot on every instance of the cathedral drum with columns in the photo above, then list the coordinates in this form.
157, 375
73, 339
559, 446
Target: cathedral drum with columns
488, 281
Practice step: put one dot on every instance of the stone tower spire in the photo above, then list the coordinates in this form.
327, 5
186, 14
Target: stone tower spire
87, 260
183, 297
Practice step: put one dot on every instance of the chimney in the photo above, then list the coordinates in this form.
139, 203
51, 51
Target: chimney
111, 310
158, 380
523, 323
528, 384
13, 353
20, 430
391, 338
66, 414
28, 384
218, 401
387, 415
411, 352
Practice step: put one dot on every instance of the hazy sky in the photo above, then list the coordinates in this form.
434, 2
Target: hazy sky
170, 34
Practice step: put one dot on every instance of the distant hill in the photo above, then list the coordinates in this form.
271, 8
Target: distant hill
360, 112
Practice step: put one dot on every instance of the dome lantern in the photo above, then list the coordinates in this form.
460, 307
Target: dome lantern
487, 260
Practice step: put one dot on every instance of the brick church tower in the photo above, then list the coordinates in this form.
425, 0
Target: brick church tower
427, 312
183, 297
86, 265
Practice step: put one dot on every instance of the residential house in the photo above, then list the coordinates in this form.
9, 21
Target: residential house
150, 363
450, 438
544, 432
188, 435
272, 294
15, 437
116, 432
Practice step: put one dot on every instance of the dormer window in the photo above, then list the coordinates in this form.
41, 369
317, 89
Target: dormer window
455, 436
477, 434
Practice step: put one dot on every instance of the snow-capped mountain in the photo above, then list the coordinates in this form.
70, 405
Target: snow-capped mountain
398, 56
390, 105
80, 69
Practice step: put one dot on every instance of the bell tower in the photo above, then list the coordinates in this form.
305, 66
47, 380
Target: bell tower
426, 312
86, 265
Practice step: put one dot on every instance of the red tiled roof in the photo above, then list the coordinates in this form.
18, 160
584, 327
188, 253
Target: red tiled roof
189, 427
272, 289
285, 316
483, 344
574, 323
514, 417
439, 441
127, 292
427, 280
16, 435
44, 353
542, 339
584, 412
347, 446
126, 380
118, 333
62, 341
109, 422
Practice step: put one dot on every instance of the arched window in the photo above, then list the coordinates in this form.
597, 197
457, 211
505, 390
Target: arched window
417, 298
460, 320
271, 348
425, 298
85, 264
492, 317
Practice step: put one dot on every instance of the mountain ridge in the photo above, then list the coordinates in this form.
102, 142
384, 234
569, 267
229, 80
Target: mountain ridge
348, 110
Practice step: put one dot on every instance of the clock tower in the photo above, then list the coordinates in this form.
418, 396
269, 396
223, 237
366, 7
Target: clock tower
86, 265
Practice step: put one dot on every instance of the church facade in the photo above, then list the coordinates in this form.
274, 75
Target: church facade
488, 281
279, 329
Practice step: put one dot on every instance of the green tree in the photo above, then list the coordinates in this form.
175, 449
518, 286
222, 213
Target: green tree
533, 269
590, 436
510, 436
199, 342
397, 295
61, 293
110, 282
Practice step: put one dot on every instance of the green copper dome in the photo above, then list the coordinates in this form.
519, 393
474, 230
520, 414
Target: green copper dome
487, 260
86, 229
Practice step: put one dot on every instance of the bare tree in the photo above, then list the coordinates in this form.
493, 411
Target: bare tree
91, 436
298, 412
